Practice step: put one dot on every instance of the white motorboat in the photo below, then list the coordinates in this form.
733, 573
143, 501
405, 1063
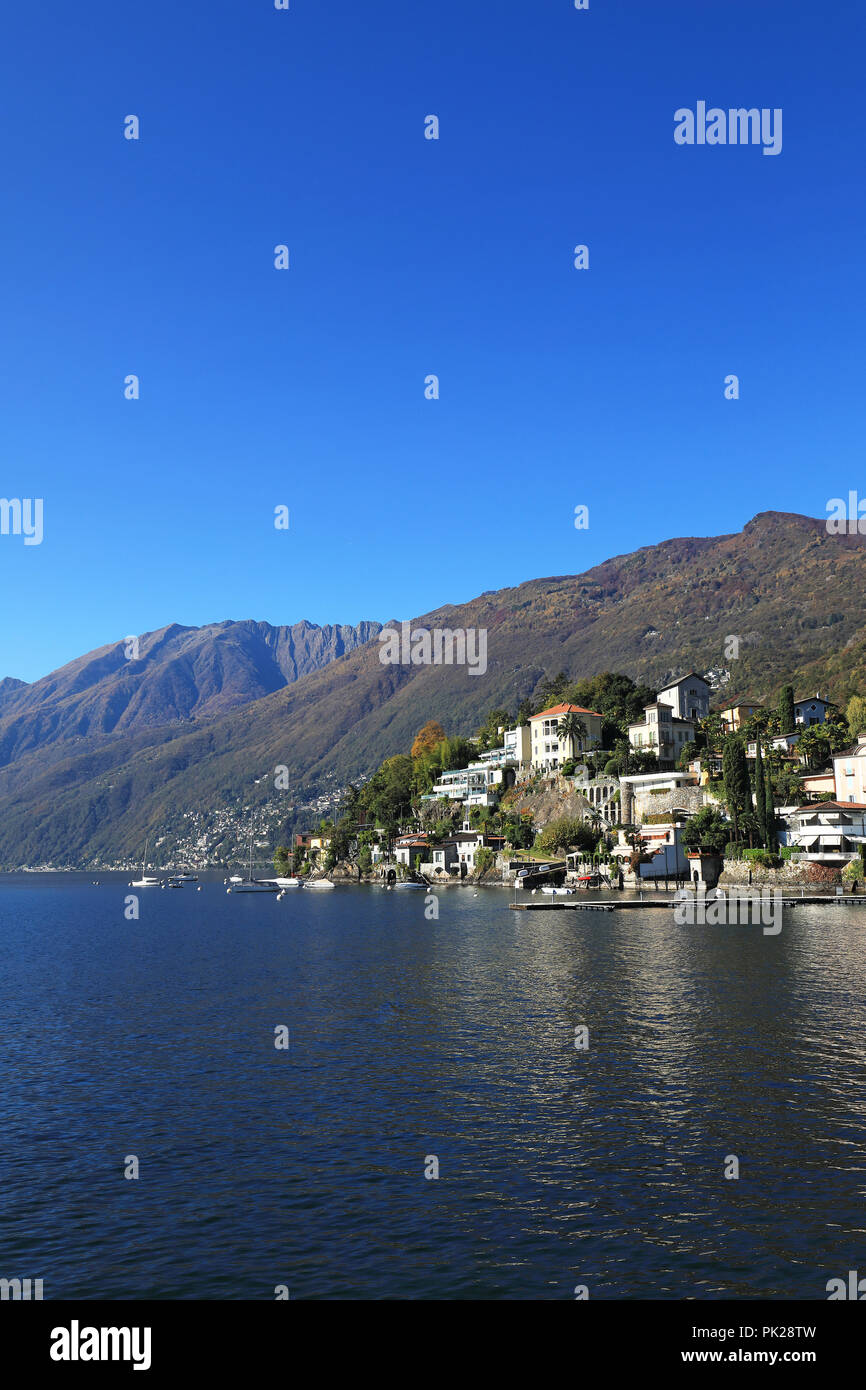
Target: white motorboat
320, 883
283, 882
553, 892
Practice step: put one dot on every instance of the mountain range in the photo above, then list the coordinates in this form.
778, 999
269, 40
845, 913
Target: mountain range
108, 749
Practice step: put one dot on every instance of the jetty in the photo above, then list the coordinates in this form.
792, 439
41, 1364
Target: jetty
627, 904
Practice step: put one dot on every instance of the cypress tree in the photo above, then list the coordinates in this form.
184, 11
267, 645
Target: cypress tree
760, 793
787, 718
770, 813
738, 791
727, 778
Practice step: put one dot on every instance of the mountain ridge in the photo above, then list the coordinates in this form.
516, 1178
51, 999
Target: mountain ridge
793, 596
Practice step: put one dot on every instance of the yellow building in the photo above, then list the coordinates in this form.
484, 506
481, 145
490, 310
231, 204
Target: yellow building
735, 715
548, 750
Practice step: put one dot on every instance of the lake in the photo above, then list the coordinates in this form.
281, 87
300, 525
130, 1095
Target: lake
414, 1040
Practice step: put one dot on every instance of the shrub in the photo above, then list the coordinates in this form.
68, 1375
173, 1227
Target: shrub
566, 834
764, 859
484, 860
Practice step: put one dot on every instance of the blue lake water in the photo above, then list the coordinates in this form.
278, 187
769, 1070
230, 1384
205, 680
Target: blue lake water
413, 1037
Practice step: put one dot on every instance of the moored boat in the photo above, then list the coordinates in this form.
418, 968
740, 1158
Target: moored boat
146, 880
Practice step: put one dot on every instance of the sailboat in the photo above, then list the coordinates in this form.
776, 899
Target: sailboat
145, 881
250, 884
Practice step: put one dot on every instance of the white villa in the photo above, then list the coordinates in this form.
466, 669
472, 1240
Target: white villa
549, 750
689, 697
828, 832
662, 732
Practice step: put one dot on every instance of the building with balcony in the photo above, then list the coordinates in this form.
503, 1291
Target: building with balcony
549, 749
828, 832
662, 732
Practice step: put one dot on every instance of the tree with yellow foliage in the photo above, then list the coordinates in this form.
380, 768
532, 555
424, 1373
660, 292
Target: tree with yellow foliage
427, 739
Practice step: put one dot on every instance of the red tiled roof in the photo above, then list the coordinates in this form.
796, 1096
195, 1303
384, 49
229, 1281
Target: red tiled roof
833, 806
565, 709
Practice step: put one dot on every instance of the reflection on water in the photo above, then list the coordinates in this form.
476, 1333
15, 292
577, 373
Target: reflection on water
409, 1038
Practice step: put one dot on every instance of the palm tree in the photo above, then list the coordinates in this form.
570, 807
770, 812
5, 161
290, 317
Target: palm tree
570, 727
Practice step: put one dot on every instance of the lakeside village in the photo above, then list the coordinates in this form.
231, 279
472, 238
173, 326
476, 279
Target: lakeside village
604, 783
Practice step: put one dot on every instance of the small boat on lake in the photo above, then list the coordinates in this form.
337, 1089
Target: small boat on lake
250, 884
146, 880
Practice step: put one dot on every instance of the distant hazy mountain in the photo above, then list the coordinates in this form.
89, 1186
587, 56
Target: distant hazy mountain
180, 674
794, 597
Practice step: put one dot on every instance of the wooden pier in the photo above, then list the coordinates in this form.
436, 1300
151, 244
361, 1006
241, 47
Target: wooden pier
605, 905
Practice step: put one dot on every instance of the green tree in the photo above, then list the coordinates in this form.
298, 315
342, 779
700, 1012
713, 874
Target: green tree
817, 744
387, 797
616, 697
688, 755
525, 709
484, 860
770, 815
787, 718
571, 729
564, 834
855, 713
788, 786
735, 773
762, 722
488, 735
282, 855
707, 830
760, 794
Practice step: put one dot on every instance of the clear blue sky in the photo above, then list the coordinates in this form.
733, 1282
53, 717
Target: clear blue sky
409, 257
